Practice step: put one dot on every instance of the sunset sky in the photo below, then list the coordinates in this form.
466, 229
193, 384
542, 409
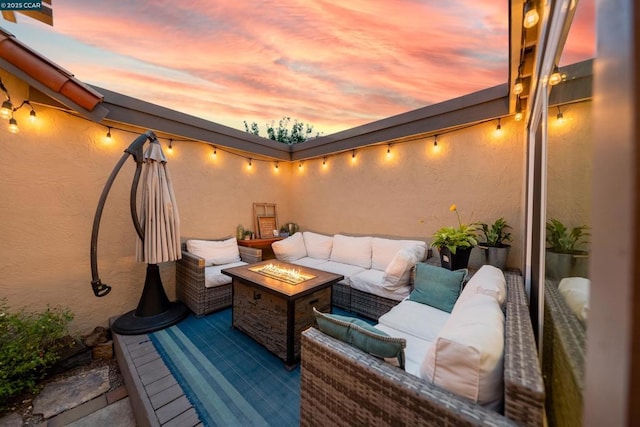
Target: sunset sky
333, 64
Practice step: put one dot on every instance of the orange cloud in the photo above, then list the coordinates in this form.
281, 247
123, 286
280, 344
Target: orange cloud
330, 63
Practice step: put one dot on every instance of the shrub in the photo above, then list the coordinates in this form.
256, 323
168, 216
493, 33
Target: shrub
29, 344
299, 131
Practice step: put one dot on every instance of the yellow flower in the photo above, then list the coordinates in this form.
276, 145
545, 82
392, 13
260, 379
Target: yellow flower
453, 208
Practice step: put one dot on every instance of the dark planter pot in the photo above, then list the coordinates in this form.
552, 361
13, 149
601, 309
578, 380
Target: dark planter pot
454, 261
558, 266
495, 255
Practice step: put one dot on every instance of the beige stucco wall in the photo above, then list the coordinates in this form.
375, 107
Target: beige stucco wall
478, 169
570, 165
54, 171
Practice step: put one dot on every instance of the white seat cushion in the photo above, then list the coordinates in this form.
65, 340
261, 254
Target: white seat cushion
370, 281
213, 275
417, 319
383, 250
309, 262
290, 249
351, 250
466, 358
318, 245
414, 351
338, 268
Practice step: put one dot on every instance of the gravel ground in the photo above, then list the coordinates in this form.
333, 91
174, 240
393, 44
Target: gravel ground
23, 404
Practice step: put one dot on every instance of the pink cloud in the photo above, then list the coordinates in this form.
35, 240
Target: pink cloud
335, 64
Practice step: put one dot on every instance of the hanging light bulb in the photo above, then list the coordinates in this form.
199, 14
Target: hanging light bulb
559, 116
435, 141
324, 161
13, 125
499, 127
215, 151
555, 76
277, 166
518, 87
250, 163
171, 145
518, 115
109, 134
531, 16
300, 165
7, 109
32, 115
353, 155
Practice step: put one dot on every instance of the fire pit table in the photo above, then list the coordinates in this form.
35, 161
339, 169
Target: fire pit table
273, 301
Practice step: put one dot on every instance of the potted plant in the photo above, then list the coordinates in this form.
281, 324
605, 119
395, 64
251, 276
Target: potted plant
564, 256
248, 235
455, 243
494, 247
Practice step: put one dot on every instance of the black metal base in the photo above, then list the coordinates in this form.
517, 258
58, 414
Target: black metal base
130, 324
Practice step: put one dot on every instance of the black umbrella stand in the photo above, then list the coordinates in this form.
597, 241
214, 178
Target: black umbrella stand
154, 311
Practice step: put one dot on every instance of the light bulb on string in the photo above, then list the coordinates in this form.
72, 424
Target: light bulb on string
13, 125
531, 16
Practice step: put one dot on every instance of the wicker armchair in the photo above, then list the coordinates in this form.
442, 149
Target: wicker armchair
190, 282
341, 385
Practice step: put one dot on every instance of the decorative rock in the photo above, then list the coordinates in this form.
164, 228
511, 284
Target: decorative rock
98, 336
73, 353
103, 351
70, 392
12, 420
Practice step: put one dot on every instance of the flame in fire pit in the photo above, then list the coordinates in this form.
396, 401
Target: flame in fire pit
288, 275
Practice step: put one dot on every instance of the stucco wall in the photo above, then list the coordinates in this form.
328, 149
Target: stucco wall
54, 171
570, 165
408, 193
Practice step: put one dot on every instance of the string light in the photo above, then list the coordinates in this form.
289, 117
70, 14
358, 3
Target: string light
353, 155
324, 161
13, 125
518, 115
435, 141
250, 162
518, 87
531, 16
215, 151
277, 165
559, 116
170, 145
499, 127
300, 165
7, 107
108, 136
555, 76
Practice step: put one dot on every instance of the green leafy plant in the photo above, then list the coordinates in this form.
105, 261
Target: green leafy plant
495, 234
563, 240
29, 344
463, 236
299, 131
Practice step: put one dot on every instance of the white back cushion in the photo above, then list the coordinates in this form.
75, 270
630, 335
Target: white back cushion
575, 291
351, 250
318, 245
383, 250
290, 249
488, 280
466, 357
215, 252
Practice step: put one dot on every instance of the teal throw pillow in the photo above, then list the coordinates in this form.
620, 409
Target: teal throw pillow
437, 286
360, 334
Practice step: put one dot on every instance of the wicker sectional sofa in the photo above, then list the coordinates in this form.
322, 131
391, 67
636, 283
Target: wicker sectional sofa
201, 285
343, 385
377, 271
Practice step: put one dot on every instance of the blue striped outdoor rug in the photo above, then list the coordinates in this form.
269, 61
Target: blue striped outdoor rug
229, 378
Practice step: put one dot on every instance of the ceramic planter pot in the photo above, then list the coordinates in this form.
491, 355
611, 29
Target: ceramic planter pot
559, 266
454, 261
495, 255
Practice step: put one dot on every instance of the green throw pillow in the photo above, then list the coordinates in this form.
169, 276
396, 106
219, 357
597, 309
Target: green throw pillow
437, 286
361, 335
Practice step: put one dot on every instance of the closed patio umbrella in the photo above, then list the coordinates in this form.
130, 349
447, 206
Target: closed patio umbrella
159, 217
158, 229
